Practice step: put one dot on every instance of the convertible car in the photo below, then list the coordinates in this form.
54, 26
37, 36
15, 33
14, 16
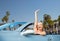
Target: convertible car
23, 31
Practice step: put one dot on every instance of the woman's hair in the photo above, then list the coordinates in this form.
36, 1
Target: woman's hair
40, 23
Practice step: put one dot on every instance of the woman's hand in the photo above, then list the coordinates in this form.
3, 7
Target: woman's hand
36, 12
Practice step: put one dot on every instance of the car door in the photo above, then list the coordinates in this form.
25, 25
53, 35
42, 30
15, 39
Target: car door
55, 37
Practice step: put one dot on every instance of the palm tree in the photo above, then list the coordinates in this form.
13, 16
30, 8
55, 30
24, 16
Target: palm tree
59, 20
55, 20
48, 23
46, 17
6, 17
45, 21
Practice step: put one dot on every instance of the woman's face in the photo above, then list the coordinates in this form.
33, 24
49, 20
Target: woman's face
40, 26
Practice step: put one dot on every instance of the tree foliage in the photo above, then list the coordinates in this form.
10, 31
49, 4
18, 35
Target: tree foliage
6, 17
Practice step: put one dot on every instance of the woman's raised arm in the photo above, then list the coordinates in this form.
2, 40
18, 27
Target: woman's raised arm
36, 19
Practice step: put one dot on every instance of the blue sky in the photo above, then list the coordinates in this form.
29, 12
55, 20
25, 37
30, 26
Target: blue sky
23, 10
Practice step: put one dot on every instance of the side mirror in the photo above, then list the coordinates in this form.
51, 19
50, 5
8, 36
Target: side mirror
27, 32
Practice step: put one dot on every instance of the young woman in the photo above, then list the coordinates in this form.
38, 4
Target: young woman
38, 26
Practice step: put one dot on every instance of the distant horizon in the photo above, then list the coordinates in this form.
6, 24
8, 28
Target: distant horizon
23, 10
